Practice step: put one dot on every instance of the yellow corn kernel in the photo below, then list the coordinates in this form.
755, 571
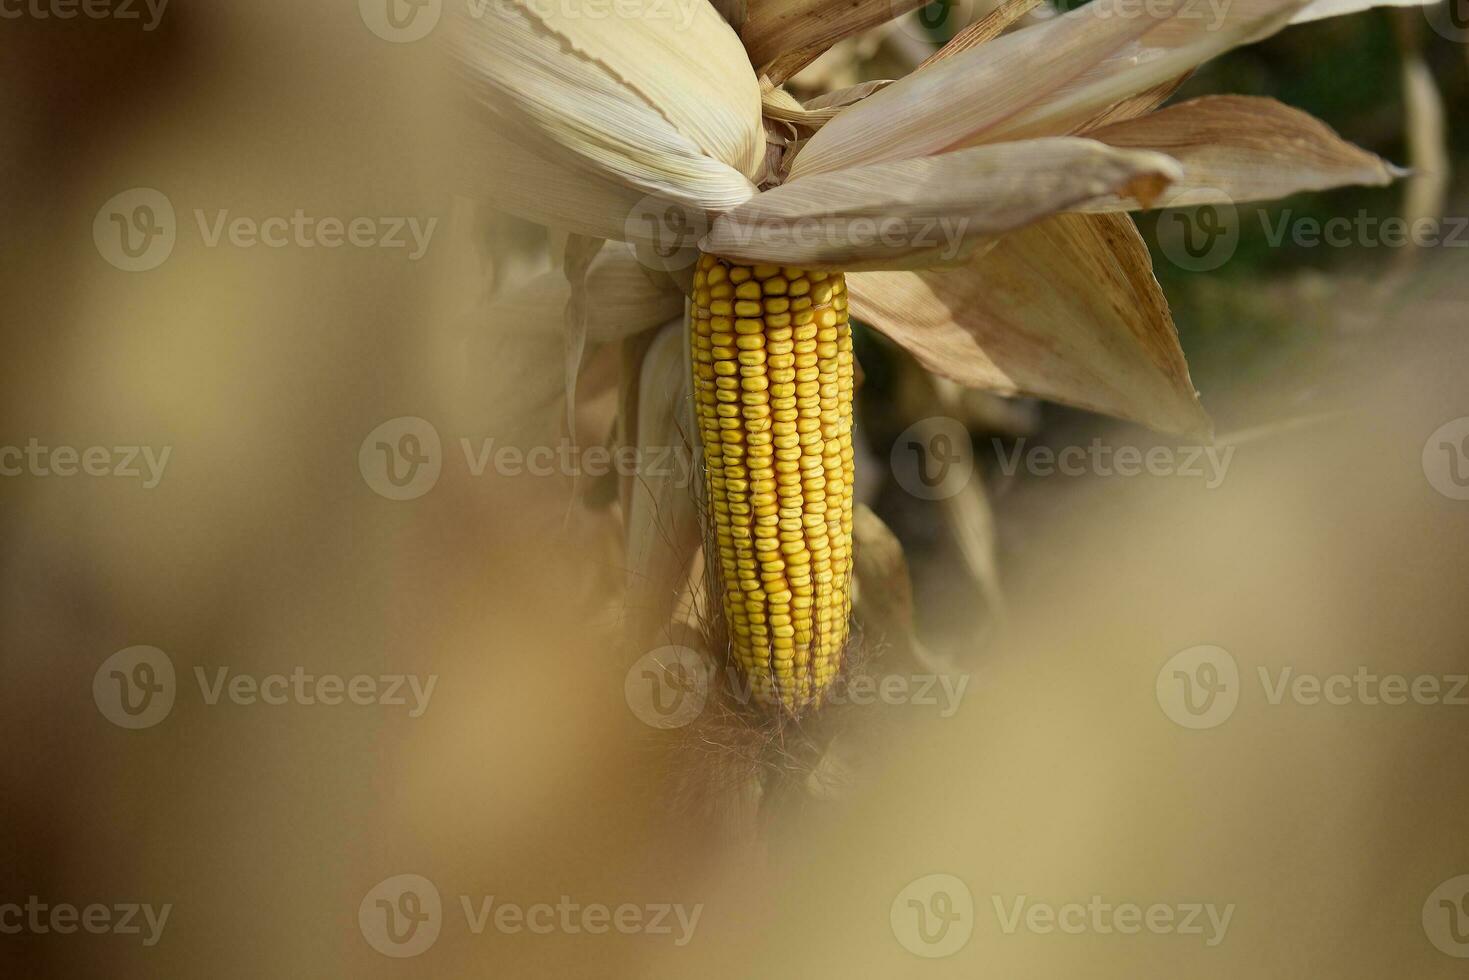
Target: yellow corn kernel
773, 383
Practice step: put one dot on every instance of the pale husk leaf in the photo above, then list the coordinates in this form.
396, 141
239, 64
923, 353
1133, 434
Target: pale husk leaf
577, 266
1066, 310
663, 533
515, 349
884, 589
673, 114
920, 212
1237, 148
624, 299
1049, 79
517, 179
849, 95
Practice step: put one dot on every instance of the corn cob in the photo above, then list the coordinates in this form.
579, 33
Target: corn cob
773, 378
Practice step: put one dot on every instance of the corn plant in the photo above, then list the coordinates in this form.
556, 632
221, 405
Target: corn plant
975, 212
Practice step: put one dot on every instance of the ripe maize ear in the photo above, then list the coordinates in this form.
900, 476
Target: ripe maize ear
772, 381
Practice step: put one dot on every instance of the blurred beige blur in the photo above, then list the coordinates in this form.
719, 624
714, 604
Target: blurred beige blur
1325, 829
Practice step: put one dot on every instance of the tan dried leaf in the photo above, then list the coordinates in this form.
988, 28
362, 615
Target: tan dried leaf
822, 110
1237, 148
784, 36
1066, 310
917, 212
1045, 80
986, 29
885, 590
